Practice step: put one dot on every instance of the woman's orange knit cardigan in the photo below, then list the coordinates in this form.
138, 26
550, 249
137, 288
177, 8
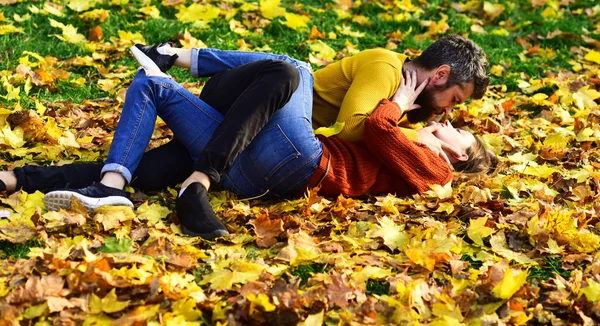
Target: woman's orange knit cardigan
385, 161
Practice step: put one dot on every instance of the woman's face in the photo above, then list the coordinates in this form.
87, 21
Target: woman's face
458, 138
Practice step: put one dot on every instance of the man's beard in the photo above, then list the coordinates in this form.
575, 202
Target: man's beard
428, 106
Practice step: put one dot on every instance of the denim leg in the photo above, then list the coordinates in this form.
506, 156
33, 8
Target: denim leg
192, 120
208, 62
284, 155
262, 87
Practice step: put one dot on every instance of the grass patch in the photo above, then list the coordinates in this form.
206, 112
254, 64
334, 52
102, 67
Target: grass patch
549, 267
305, 272
379, 287
474, 264
17, 250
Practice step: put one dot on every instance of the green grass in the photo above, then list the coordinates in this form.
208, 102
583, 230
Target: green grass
519, 18
305, 272
17, 250
550, 267
378, 287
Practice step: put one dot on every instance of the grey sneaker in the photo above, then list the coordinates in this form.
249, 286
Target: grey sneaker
91, 197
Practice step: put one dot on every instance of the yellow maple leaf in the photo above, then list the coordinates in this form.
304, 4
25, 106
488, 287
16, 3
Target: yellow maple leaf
12, 92
245, 272
14, 138
593, 56
220, 279
542, 171
10, 29
295, 21
189, 42
112, 216
585, 98
499, 245
334, 129
477, 230
96, 14
69, 32
585, 242
301, 248
261, 300
592, 291
131, 38
187, 308
510, 284
81, 5
198, 13
347, 30
271, 8
441, 192
108, 304
152, 213
497, 70
370, 272
150, 11
561, 222
393, 235
315, 319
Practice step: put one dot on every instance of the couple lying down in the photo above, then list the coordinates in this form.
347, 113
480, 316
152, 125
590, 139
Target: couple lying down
251, 132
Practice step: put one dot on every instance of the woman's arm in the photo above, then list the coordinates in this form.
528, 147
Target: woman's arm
414, 163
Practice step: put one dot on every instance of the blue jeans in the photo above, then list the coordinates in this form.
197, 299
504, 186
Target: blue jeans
279, 161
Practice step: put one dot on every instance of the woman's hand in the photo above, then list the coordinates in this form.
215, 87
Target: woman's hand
439, 147
408, 91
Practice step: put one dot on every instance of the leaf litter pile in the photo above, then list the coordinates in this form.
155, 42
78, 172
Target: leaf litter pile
518, 246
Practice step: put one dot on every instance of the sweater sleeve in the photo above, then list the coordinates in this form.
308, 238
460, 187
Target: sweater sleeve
413, 162
371, 83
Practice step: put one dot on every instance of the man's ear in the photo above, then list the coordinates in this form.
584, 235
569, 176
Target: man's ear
440, 75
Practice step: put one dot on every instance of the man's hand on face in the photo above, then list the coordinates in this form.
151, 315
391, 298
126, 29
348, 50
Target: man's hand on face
408, 91
427, 138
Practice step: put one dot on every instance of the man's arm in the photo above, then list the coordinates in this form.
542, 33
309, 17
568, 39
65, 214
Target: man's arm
371, 83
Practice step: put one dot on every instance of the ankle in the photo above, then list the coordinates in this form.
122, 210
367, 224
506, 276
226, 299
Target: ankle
197, 176
114, 180
10, 180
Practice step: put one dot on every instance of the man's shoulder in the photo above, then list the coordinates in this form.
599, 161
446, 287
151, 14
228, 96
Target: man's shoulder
380, 55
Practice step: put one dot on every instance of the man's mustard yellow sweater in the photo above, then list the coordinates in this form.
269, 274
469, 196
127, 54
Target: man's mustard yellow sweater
349, 90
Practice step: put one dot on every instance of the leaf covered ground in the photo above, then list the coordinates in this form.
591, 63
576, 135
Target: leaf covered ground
519, 246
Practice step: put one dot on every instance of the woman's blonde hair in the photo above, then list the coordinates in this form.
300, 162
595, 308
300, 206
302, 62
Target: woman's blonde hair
480, 159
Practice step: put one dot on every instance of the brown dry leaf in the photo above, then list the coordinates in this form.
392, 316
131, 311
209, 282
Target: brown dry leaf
161, 248
17, 232
38, 288
266, 230
96, 34
338, 291
538, 3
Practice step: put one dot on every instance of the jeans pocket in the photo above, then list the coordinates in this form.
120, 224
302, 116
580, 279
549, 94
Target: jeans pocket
270, 150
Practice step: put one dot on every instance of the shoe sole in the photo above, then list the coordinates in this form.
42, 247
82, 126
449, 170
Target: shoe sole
206, 236
144, 60
62, 199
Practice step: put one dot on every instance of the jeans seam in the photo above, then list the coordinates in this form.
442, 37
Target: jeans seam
308, 162
197, 106
137, 128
